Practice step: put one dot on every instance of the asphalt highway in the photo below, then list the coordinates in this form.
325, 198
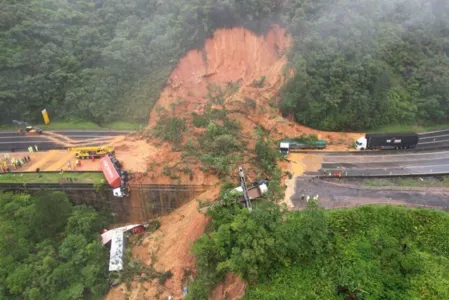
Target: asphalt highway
434, 139
340, 196
10, 140
404, 163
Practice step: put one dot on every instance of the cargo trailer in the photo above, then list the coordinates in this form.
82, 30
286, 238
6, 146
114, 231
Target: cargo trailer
110, 172
372, 141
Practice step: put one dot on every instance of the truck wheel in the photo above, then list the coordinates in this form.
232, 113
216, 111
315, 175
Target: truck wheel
361, 149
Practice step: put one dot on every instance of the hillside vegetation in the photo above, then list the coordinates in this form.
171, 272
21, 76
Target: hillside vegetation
106, 61
362, 64
363, 253
50, 249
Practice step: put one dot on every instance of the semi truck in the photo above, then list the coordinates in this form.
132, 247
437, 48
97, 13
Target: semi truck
379, 141
287, 145
116, 178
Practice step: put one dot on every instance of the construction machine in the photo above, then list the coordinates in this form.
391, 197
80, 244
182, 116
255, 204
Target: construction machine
30, 130
92, 152
26, 128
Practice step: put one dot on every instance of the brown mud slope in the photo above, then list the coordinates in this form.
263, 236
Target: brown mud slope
170, 247
234, 57
238, 56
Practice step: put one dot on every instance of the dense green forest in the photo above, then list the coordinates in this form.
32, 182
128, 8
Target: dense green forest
50, 249
370, 252
359, 64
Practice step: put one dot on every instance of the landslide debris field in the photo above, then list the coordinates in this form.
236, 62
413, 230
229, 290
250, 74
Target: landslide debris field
230, 86
237, 76
236, 73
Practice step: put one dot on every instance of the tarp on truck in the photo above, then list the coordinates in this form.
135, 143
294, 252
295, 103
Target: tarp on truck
110, 172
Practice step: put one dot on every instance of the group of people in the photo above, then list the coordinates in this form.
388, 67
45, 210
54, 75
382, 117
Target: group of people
71, 165
307, 198
31, 149
13, 163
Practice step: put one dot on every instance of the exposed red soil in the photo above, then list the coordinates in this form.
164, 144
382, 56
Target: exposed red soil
231, 288
170, 246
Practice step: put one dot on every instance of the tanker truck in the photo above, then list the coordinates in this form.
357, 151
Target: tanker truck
379, 141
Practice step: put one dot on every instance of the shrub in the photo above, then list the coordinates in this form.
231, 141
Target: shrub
200, 120
266, 154
224, 144
170, 130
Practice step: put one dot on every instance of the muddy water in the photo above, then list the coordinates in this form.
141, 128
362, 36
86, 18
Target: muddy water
299, 164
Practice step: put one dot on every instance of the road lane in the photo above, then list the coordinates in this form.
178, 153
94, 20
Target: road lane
334, 196
434, 139
405, 163
12, 141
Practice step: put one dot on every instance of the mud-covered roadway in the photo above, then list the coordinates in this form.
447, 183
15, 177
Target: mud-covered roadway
339, 195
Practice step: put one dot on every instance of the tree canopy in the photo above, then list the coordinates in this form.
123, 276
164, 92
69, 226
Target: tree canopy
102, 60
362, 64
50, 249
358, 64
362, 253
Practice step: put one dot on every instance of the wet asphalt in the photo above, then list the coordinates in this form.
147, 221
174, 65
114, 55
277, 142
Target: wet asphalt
335, 196
431, 159
12, 140
407, 163
434, 139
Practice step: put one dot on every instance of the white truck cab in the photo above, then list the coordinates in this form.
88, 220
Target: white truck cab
283, 148
361, 143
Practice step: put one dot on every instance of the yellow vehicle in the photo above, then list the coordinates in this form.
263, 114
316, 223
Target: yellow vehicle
92, 152
30, 130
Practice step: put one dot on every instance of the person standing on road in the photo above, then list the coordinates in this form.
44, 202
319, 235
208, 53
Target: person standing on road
35, 147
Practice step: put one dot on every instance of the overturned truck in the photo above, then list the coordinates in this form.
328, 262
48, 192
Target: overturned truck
116, 178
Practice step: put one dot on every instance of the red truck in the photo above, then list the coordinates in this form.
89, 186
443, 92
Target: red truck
110, 172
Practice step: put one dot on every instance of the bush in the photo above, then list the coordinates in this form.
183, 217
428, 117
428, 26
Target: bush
200, 120
224, 144
220, 164
266, 154
170, 130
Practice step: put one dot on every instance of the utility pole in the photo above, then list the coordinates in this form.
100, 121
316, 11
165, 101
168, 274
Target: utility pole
244, 189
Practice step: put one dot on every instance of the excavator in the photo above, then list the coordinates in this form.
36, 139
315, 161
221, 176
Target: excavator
27, 128
30, 130
92, 152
